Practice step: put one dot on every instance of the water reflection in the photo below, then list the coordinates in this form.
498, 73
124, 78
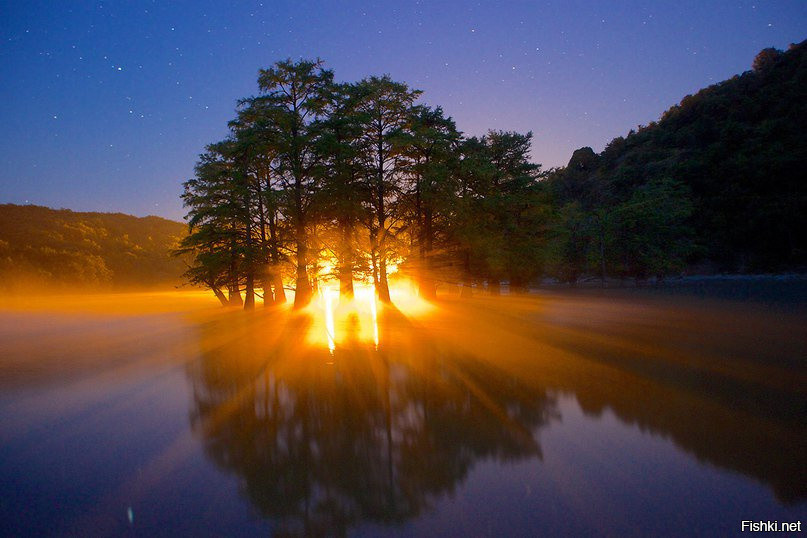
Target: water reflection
378, 425
727, 383
508, 416
326, 437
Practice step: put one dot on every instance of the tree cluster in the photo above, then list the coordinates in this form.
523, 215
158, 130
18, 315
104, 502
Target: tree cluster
350, 181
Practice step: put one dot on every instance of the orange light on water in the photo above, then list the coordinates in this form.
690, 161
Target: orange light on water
327, 307
406, 299
374, 311
341, 322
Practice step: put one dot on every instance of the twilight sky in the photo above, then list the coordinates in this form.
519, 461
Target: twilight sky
106, 105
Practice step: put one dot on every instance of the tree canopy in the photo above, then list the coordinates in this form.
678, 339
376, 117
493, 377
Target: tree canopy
321, 180
725, 167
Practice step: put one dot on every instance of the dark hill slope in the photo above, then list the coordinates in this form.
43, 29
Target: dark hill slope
739, 148
64, 249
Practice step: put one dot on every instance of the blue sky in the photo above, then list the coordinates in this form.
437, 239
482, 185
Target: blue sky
106, 105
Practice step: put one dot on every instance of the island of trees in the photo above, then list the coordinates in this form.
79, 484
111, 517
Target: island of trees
350, 181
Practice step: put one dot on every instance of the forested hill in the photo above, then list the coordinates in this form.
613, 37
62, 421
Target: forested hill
42, 247
733, 156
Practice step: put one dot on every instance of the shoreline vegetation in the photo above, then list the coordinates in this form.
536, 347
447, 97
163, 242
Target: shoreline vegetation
325, 182
785, 292
354, 184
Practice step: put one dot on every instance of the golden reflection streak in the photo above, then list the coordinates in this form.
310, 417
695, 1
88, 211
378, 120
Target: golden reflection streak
327, 295
337, 321
374, 310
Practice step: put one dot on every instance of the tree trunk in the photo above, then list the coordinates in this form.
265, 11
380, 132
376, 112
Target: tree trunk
346, 282
602, 253
276, 277
346, 262
302, 292
268, 293
264, 276
427, 289
374, 259
233, 289
518, 285
280, 292
249, 301
234, 295
466, 290
219, 295
383, 285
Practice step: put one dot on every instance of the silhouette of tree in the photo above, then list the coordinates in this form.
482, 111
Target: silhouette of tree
294, 95
384, 107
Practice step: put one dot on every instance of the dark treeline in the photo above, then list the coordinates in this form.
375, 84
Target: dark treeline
320, 180
718, 181
350, 181
67, 250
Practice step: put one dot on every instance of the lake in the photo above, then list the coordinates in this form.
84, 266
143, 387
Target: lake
555, 413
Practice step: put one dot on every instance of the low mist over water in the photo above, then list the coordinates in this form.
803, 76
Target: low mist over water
552, 413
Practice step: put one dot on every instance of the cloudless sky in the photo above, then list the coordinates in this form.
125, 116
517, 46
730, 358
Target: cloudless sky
105, 106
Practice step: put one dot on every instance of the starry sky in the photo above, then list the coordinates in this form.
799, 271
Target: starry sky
105, 106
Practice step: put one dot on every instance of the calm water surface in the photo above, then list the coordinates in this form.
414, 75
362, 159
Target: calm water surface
546, 415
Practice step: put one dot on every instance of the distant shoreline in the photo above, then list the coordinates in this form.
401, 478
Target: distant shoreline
783, 289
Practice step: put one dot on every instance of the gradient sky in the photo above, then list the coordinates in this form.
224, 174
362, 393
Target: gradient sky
105, 106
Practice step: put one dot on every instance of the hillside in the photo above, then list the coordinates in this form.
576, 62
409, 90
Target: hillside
735, 156
62, 249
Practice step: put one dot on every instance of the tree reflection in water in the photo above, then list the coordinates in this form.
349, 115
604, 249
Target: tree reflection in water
325, 441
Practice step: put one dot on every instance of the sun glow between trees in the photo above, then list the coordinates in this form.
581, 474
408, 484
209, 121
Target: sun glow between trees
319, 180
347, 323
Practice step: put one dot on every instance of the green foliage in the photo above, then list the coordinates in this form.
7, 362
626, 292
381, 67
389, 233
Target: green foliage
213, 240
430, 142
42, 247
648, 235
737, 153
571, 240
501, 213
356, 176
384, 111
